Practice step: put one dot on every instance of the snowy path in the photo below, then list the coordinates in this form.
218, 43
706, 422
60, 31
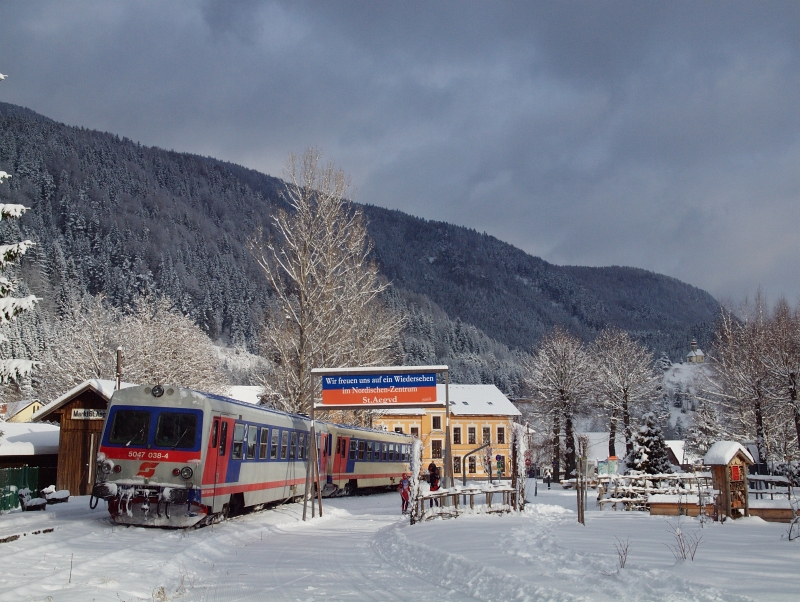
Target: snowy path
362, 550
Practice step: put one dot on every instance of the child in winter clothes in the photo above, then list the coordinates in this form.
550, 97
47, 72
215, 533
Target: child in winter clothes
405, 492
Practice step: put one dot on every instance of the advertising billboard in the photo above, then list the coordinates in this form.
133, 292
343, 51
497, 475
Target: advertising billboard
378, 389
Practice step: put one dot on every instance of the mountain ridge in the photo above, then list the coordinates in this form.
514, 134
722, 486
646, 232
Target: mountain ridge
118, 217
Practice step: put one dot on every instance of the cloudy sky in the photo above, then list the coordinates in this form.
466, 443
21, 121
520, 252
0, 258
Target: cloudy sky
663, 135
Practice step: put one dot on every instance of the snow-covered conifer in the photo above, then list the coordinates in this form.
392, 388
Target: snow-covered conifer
12, 369
649, 450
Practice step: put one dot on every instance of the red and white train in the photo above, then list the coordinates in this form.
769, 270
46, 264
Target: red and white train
174, 457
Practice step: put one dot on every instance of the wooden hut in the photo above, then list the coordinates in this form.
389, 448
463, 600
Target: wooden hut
728, 461
80, 413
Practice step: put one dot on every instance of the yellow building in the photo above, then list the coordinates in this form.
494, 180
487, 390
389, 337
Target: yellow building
478, 413
22, 411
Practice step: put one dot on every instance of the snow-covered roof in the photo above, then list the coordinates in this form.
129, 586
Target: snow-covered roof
246, 393
597, 444
15, 407
468, 400
104, 388
28, 439
723, 452
678, 447
695, 353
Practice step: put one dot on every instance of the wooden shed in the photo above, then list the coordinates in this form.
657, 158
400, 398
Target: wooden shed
728, 461
80, 413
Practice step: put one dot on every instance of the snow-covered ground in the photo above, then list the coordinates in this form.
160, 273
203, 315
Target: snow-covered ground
363, 550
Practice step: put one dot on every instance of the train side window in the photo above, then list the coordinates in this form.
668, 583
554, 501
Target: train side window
284, 443
252, 438
301, 446
353, 445
385, 449
369, 451
338, 445
292, 455
215, 434
263, 444
343, 452
238, 441
391, 452
362, 446
223, 438
404, 449
273, 446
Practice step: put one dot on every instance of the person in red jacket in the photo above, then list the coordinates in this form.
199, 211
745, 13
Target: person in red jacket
405, 492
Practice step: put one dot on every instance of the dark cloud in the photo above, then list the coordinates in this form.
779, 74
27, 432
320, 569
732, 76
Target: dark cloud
660, 135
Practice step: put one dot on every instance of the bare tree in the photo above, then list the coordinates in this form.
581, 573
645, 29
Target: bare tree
84, 340
163, 346
741, 384
626, 381
160, 345
781, 359
328, 310
562, 377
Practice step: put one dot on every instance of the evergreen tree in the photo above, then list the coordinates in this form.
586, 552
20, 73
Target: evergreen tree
12, 369
649, 450
664, 362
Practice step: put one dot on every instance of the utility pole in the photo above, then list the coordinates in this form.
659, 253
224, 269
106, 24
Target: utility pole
119, 368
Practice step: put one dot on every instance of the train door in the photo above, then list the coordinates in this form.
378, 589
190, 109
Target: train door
351, 456
340, 459
216, 465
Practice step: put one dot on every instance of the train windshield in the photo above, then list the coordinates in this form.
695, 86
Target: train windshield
176, 430
130, 428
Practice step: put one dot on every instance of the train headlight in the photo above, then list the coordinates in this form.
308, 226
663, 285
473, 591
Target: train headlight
106, 467
186, 472
117, 468
176, 472
157, 391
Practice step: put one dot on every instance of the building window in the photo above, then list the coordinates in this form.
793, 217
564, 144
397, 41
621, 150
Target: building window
457, 465
487, 434
456, 435
501, 435
398, 429
472, 465
415, 431
471, 435
436, 449
437, 423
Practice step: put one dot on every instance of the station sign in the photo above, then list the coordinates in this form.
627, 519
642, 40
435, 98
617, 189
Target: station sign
379, 389
88, 414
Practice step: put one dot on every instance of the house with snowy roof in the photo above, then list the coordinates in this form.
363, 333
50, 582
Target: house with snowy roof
695, 356
478, 414
21, 411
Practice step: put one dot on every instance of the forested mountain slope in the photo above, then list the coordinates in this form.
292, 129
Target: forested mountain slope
116, 217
